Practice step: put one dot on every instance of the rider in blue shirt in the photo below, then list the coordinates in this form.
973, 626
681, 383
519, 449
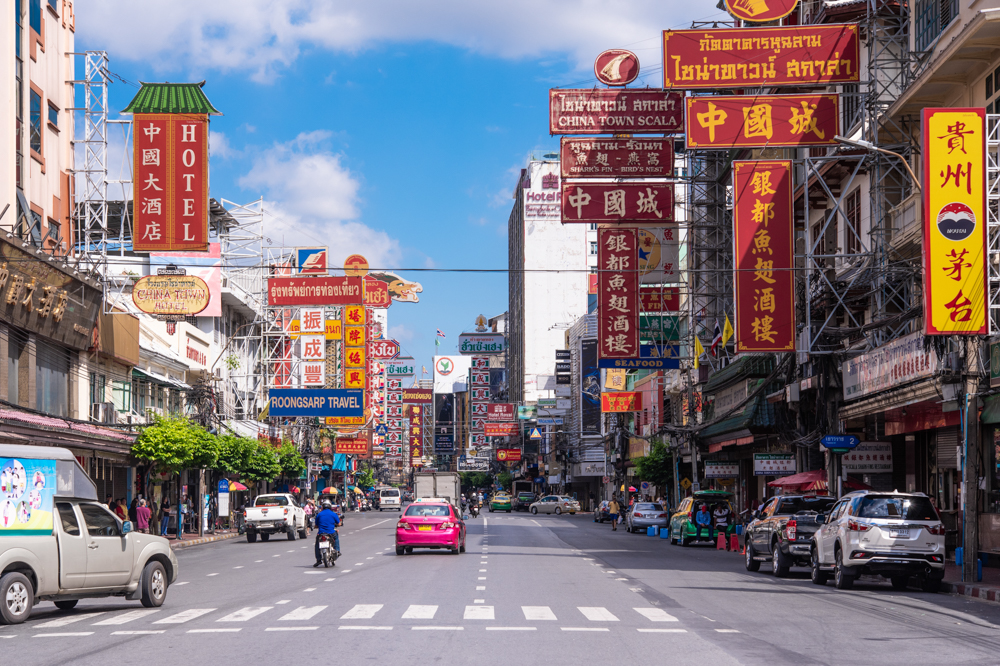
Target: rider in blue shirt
327, 521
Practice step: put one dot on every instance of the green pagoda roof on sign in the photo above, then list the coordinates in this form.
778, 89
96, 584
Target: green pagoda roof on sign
171, 98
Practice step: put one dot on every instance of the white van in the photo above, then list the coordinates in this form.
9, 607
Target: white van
389, 498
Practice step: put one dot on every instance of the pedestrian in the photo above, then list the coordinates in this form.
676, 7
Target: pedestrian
182, 509
164, 517
308, 508
132, 507
108, 502
121, 510
613, 510
703, 519
142, 514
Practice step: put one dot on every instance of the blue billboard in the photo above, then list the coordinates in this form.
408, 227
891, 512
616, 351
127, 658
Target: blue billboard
317, 402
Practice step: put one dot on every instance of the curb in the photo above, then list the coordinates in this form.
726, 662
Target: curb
981, 592
187, 543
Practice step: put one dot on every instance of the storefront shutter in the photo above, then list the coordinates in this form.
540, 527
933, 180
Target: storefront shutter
947, 447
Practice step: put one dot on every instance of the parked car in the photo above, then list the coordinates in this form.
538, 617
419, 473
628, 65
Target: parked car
782, 531
500, 502
682, 525
645, 514
524, 500
894, 535
274, 514
430, 525
556, 504
601, 513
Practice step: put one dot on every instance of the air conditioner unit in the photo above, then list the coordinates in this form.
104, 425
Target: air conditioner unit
103, 412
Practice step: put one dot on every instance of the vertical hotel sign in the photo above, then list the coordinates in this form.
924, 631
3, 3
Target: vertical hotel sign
618, 293
170, 182
765, 281
954, 193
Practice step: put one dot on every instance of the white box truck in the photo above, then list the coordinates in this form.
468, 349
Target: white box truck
442, 485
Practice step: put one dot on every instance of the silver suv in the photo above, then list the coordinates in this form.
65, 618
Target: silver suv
895, 535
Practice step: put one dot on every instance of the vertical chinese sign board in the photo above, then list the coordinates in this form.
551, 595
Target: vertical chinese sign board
954, 193
765, 280
618, 293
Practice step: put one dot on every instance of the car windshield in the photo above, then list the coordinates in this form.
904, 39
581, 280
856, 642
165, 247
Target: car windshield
390, 493
646, 507
427, 510
526, 495
793, 505
910, 508
273, 500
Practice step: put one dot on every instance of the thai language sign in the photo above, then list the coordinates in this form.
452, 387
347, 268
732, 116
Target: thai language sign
621, 401
480, 343
773, 464
754, 57
868, 458
744, 121
491, 429
763, 236
352, 446
509, 455
418, 396
27, 487
314, 291
650, 203
181, 295
608, 157
618, 293
316, 402
170, 182
895, 363
599, 111
955, 222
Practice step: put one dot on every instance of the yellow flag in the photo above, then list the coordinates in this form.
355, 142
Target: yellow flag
698, 351
727, 331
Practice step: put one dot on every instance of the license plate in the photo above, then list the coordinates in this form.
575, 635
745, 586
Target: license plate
323, 545
425, 528
899, 534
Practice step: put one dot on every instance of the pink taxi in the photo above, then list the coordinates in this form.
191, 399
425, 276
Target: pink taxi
430, 525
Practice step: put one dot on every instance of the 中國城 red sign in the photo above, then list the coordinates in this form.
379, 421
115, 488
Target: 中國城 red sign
315, 291
170, 182
609, 157
749, 121
617, 293
764, 237
754, 57
624, 203
599, 111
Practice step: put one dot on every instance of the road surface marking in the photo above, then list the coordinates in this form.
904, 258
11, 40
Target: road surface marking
239, 567
479, 601
348, 570
309, 589
662, 631
478, 613
182, 583
139, 632
63, 621
436, 628
232, 630
184, 616
258, 561
359, 564
279, 555
369, 558
302, 613
609, 571
480, 587
378, 523
329, 580
621, 578
289, 551
127, 617
482, 571
655, 614
244, 614
291, 629
210, 575
362, 612
482, 578
420, 613
538, 613
511, 628
283, 601
584, 628
364, 628
597, 614
314, 573
64, 633
728, 631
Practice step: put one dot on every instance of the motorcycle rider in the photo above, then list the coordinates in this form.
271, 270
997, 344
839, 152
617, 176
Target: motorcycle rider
326, 523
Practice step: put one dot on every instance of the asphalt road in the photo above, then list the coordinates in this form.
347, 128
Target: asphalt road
529, 590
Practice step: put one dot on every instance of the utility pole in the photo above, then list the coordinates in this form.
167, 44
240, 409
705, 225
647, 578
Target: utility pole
970, 465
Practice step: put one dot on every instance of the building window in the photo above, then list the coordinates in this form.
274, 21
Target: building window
159, 398
54, 6
932, 17
51, 379
593, 248
53, 116
35, 123
98, 385
35, 15
593, 226
55, 231
14, 348
852, 215
850, 104
993, 92
121, 395
19, 92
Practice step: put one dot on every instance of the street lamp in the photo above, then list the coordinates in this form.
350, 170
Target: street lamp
872, 148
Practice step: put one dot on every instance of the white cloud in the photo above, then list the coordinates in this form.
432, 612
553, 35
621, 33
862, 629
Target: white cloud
263, 36
313, 199
219, 146
401, 333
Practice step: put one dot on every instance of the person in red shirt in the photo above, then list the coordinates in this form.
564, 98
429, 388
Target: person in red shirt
142, 514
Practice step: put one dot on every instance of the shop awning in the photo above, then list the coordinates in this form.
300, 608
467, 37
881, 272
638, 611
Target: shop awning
157, 378
743, 368
812, 480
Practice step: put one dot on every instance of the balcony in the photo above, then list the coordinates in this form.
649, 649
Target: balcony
905, 220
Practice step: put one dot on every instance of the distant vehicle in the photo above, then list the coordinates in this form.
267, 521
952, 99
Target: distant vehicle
645, 514
430, 525
500, 501
438, 484
682, 524
274, 514
782, 532
601, 513
556, 504
389, 498
523, 500
895, 535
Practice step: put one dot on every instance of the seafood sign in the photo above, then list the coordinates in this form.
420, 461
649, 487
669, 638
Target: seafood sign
27, 487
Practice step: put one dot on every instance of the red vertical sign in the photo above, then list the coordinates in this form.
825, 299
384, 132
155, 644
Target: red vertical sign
765, 279
618, 293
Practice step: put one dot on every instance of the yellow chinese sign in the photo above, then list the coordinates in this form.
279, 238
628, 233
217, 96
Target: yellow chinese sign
954, 190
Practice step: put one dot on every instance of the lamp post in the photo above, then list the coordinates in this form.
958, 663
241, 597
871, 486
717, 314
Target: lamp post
872, 148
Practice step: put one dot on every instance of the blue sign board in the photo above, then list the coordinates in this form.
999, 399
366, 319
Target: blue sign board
550, 421
535, 434
659, 351
317, 402
840, 441
381, 430
223, 485
640, 363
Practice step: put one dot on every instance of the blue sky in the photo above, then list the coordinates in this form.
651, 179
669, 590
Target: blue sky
391, 129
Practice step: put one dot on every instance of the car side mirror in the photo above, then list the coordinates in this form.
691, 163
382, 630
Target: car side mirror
821, 518
126, 527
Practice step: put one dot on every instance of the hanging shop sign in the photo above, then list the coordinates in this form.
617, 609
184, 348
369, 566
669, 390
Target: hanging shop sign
500, 411
501, 429
618, 293
312, 260
895, 363
751, 121
621, 401
383, 349
715, 469
376, 293
628, 204
316, 402
399, 289
418, 396
763, 238
773, 464
868, 458
314, 291
754, 57
598, 111
659, 351
639, 363
170, 182
954, 194
616, 67
761, 11
352, 445
527, 412
608, 157
659, 255
401, 367
176, 295
480, 343
509, 455
659, 299
344, 420
470, 464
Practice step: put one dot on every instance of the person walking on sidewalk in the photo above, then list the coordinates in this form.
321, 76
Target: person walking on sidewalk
165, 517
613, 510
142, 514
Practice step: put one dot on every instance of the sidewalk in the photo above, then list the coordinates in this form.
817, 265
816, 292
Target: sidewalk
187, 542
988, 589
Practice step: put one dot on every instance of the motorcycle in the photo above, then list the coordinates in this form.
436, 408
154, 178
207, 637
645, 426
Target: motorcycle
327, 551
474, 510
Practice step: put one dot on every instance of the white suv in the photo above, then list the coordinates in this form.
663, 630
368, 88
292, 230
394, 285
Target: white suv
895, 535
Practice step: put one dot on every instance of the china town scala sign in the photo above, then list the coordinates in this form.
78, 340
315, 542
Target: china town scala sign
181, 295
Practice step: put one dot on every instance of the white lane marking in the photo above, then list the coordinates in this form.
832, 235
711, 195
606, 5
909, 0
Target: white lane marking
485, 522
597, 614
478, 613
289, 551
538, 613
314, 573
127, 617
621, 578
482, 571
511, 628
184, 616
728, 631
536, 522
362, 612
655, 614
239, 567
244, 614
232, 630
378, 523
369, 558
309, 589
329, 580
662, 631
479, 601
210, 575
359, 564
291, 629
182, 583
437, 628
481, 578
420, 612
258, 561
480, 587
278, 555
302, 613
348, 570
63, 621
609, 571
64, 633
364, 628
584, 628
139, 632
283, 601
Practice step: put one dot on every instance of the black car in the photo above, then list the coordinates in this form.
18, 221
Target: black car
523, 500
781, 532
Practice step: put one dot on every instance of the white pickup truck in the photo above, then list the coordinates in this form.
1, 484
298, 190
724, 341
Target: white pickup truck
274, 514
57, 543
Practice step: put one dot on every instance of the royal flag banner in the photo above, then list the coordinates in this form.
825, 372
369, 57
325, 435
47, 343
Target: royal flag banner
764, 237
618, 293
954, 191
759, 121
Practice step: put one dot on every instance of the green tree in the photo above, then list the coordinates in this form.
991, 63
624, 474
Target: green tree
291, 461
172, 444
472, 480
235, 454
658, 467
504, 479
365, 479
263, 464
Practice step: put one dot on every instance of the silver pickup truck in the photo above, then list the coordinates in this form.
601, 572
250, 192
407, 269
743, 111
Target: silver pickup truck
57, 543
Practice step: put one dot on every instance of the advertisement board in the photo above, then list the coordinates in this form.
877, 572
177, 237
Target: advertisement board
721, 470
27, 488
773, 464
316, 402
418, 396
609, 157
618, 294
500, 411
314, 291
659, 299
509, 455
205, 265
352, 445
177, 295
467, 464
312, 260
750, 121
598, 111
760, 11
868, 458
895, 363
621, 401
481, 343
626, 204
401, 367
491, 429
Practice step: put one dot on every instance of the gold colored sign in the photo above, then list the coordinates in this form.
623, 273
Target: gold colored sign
170, 294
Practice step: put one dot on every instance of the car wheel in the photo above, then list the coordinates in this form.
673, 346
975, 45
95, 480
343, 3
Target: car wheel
686, 541
154, 585
534, 510
380, 509
779, 565
461, 548
265, 536
752, 564
16, 597
899, 582
291, 533
399, 551
816, 574
69, 604
303, 534
508, 510
409, 550
251, 537
558, 511
842, 580
931, 586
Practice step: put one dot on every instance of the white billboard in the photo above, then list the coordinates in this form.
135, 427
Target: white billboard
451, 373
